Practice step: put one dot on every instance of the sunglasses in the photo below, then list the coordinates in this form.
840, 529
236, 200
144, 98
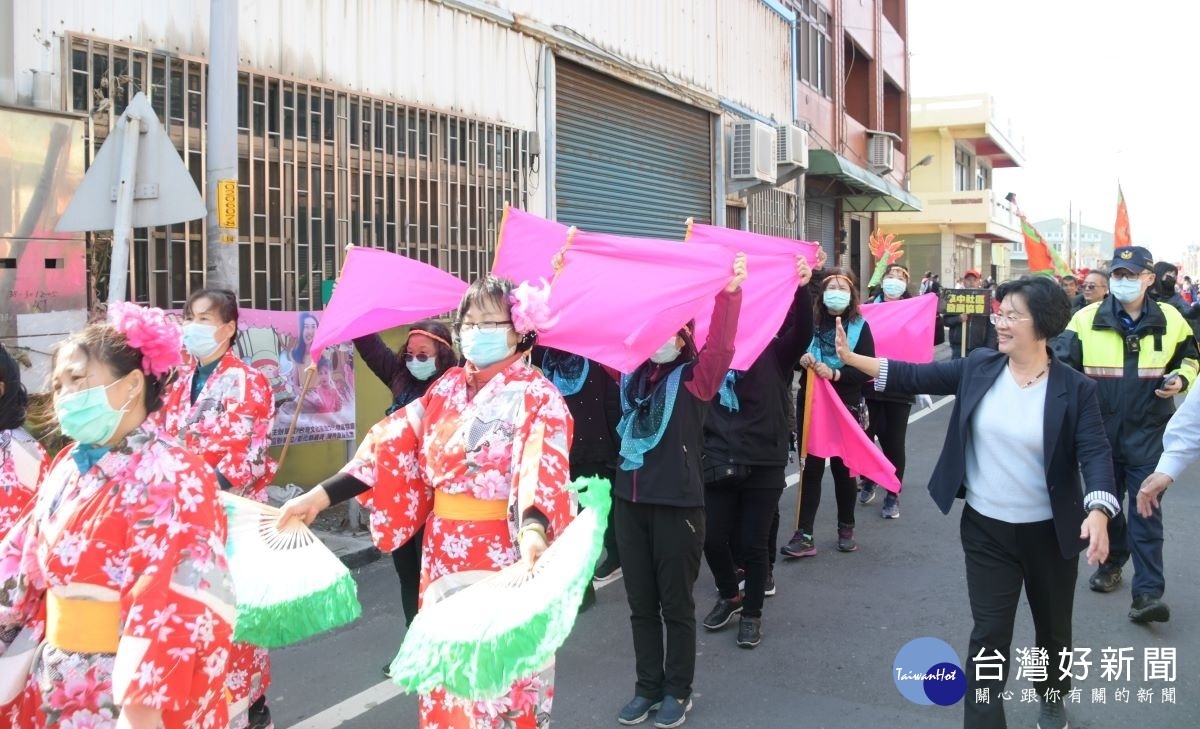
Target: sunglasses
1089, 286
418, 357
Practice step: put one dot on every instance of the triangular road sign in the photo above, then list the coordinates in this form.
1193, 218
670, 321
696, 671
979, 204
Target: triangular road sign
164, 192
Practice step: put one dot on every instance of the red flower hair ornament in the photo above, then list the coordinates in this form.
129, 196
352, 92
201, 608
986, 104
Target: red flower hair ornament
150, 331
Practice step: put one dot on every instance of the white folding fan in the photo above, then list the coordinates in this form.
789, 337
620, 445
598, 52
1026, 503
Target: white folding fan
288, 585
479, 640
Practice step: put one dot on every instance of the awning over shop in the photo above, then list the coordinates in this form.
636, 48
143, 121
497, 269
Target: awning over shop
868, 192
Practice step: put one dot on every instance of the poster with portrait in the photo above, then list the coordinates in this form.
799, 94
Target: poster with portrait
277, 344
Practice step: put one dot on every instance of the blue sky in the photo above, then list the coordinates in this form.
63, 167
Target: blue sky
1099, 90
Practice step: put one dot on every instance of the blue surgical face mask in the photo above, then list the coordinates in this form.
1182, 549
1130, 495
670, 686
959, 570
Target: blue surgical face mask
485, 347
1125, 290
893, 287
836, 301
200, 340
422, 370
666, 353
86, 417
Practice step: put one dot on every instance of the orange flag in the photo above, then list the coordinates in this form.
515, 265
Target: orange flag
1121, 237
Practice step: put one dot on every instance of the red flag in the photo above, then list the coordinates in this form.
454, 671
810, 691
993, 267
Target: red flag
1036, 249
1121, 236
833, 431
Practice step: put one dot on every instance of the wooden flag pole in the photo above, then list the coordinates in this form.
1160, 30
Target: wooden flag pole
802, 448
287, 441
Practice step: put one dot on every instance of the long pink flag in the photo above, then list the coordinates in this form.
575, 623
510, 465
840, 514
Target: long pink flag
768, 291
379, 290
525, 246
618, 299
833, 431
903, 329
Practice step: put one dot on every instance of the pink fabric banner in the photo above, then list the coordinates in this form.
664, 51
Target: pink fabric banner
618, 299
833, 431
903, 329
379, 290
769, 289
525, 246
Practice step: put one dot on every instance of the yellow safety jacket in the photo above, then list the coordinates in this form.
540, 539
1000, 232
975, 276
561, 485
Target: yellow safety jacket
1128, 365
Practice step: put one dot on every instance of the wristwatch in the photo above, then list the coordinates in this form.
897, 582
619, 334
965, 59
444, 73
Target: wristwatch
1101, 506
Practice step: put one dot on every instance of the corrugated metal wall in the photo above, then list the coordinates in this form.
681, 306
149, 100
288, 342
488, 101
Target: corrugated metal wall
820, 225
738, 49
629, 161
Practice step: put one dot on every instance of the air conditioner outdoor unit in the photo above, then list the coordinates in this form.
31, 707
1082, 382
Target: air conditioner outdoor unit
753, 152
881, 151
792, 146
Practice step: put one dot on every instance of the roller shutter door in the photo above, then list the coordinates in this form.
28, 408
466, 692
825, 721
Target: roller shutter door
629, 161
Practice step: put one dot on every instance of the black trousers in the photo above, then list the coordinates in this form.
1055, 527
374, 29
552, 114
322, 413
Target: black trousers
739, 511
407, 560
1000, 558
660, 556
612, 554
844, 489
889, 424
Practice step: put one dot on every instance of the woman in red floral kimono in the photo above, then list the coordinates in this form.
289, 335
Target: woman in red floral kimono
221, 409
23, 461
119, 563
480, 460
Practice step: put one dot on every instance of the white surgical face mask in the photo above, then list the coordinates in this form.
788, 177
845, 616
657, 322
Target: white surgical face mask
666, 353
1125, 290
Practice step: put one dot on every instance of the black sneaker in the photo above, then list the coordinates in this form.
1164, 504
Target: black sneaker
846, 541
387, 670
672, 713
1105, 578
723, 612
260, 715
769, 588
749, 632
589, 599
1149, 609
1053, 715
607, 572
637, 710
801, 545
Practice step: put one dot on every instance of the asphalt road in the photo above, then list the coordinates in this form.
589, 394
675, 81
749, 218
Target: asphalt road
830, 635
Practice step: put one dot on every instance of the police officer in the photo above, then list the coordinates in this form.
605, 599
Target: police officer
1141, 354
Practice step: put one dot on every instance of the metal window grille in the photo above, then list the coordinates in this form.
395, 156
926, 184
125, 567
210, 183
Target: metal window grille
319, 167
775, 211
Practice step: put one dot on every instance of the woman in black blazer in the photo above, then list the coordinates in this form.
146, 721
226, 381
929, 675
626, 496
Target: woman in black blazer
1023, 427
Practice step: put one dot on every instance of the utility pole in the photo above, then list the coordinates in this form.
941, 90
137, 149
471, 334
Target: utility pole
221, 179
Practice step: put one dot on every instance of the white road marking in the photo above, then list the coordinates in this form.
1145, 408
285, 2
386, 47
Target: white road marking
364, 701
351, 708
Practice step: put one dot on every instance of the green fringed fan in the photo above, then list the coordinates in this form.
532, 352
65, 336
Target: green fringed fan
479, 640
288, 585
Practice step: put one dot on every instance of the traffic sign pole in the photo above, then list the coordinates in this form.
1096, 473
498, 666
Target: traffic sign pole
118, 270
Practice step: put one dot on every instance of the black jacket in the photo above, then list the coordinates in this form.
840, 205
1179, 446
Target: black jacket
596, 409
1073, 433
757, 434
389, 367
980, 332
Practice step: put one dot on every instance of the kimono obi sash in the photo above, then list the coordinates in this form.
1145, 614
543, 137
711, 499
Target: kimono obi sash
82, 626
465, 507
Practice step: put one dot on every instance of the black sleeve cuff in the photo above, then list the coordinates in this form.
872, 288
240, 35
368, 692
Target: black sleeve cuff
343, 487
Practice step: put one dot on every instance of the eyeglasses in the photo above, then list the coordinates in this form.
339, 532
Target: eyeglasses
1010, 320
418, 357
1124, 273
1089, 286
486, 326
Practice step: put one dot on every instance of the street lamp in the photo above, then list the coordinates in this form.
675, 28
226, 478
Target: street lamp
923, 162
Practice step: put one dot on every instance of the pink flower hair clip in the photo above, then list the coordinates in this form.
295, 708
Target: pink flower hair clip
530, 306
149, 330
